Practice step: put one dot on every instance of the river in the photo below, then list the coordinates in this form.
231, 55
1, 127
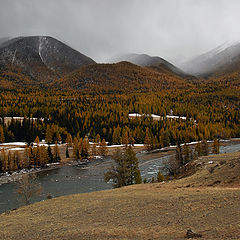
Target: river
81, 179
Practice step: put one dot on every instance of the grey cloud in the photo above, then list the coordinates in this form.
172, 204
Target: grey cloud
172, 29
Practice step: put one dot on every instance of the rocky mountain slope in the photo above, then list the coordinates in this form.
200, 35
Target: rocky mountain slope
220, 61
42, 58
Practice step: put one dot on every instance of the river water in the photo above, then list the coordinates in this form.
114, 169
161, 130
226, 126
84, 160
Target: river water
81, 179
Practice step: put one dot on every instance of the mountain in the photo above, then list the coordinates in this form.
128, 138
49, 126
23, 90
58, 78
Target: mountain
155, 63
41, 58
119, 77
223, 60
2, 40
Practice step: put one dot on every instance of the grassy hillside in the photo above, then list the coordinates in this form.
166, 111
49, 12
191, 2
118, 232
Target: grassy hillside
146, 211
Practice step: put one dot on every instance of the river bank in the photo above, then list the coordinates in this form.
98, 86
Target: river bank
141, 153
205, 203
73, 178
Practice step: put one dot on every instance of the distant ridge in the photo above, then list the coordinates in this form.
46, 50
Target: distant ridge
155, 63
222, 60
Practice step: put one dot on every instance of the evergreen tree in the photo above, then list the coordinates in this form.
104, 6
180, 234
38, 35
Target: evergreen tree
138, 178
44, 158
36, 154
67, 152
50, 155
97, 139
94, 149
198, 149
85, 147
76, 152
2, 139
126, 170
49, 135
17, 160
2, 160
132, 166
160, 177
56, 154
1, 165
179, 156
147, 140
31, 156
103, 151
186, 153
155, 143
216, 146
69, 140
125, 138
166, 139
37, 140
116, 135
205, 149
131, 139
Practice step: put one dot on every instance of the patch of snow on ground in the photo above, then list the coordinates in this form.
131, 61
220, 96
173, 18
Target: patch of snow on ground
16, 149
23, 144
134, 115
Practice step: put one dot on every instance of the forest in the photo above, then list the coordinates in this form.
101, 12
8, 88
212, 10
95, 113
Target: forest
211, 112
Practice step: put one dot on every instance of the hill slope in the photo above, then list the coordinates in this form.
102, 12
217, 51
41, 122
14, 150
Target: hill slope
42, 58
145, 211
155, 63
120, 77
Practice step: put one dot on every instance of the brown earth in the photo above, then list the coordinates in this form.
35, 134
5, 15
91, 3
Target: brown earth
208, 202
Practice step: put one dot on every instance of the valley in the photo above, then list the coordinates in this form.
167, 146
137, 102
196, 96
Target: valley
63, 116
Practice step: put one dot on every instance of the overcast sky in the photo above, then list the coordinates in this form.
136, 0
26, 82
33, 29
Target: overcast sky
172, 29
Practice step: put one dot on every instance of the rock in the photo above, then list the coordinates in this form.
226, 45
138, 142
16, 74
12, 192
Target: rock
191, 234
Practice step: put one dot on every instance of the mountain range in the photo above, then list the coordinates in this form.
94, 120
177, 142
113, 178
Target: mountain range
46, 62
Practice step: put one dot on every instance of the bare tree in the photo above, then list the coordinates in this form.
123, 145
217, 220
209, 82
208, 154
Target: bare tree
28, 187
173, 165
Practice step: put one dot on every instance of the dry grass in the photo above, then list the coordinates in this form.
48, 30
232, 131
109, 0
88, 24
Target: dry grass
150, 211
220, 170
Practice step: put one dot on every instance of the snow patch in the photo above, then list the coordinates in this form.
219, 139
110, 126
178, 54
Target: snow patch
23, 144
156, 117
15, 149
40, 47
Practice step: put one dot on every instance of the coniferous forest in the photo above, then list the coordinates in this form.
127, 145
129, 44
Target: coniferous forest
211, 112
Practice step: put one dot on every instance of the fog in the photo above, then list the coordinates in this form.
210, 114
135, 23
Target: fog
173, 29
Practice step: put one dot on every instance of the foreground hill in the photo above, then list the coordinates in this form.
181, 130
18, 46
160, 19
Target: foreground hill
40, 58
120, 77
206, 202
